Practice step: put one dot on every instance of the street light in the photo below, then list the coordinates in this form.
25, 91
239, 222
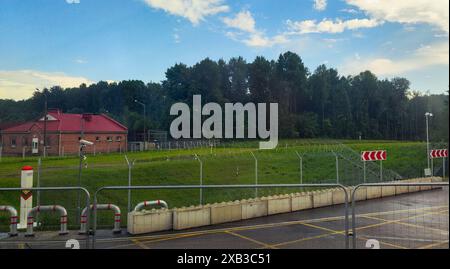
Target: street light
428, 114
145, 119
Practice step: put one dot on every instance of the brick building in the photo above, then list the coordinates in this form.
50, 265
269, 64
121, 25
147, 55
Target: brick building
63, 132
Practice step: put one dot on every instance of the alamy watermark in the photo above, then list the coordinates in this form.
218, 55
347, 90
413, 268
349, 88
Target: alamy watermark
212, 127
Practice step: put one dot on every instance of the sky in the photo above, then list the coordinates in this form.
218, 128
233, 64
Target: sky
68, 42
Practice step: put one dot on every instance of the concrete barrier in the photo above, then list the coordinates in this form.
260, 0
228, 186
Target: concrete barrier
140, 222
301, 201
361, 193
278, 204
322, 198
425, 180
226, 212
373, 193
387, 190
436, 179
339, 196
413, 188
191, 217
401, 189
254, 208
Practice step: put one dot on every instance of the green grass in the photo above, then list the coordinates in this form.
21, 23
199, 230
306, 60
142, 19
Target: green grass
231, 164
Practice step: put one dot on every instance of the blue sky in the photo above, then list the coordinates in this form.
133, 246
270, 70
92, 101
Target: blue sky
68, 42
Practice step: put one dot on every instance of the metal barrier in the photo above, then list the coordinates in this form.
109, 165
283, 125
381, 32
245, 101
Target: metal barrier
151, 203
88, 196
13, 218
177, 187
54, 208
117, 214
400, 191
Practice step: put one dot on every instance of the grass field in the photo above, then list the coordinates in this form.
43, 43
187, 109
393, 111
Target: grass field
231, 164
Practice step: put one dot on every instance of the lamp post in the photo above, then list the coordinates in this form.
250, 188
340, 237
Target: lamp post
427, 115
145, 120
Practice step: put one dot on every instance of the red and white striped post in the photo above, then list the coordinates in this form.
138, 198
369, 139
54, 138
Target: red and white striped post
26, 196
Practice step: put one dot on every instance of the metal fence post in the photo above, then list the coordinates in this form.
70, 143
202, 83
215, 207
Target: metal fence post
256, 174
337, 167
1, 151
301, 166
364, 171
201, 177
443, 167
38, 184
130, 167
381, 171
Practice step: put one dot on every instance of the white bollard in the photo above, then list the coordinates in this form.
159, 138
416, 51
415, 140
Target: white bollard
26, 196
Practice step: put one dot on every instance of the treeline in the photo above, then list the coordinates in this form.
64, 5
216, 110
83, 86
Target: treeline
317, 104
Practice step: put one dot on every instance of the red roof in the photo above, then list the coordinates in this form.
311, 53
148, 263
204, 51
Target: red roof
61, 122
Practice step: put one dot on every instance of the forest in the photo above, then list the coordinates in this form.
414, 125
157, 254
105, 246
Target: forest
312, 104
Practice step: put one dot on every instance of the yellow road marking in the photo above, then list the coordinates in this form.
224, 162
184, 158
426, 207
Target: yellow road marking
137, 242
307, 222
434, 245
304, 239
251, 240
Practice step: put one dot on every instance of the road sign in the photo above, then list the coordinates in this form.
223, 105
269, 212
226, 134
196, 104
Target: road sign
439, 153
376, 155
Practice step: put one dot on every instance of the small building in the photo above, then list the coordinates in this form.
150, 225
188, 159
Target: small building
63, 132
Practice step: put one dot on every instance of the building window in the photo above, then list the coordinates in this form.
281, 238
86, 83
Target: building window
118, 138
109, 139
97, 139
24, 141
13, 142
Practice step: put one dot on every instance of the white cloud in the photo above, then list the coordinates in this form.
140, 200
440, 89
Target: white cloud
320, 5
243, 21
329, 26
433, 12
72, 1
349, 10
260, 40
80, 61
176, 38
425, 56
245, 25
193, 10
20, 84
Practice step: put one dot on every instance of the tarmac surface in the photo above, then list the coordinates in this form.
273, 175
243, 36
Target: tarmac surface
414, 220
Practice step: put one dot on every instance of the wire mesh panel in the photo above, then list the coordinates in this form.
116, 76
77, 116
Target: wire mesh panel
312, 216
415, 218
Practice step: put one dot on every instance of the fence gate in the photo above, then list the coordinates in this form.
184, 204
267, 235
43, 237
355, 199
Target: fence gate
408, 216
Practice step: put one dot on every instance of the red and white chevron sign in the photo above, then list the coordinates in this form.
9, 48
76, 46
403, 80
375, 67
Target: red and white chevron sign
376, 155
439, 153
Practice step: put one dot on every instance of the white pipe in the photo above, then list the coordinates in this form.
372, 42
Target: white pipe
63, 218
160, 203
117, 214
13, 218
